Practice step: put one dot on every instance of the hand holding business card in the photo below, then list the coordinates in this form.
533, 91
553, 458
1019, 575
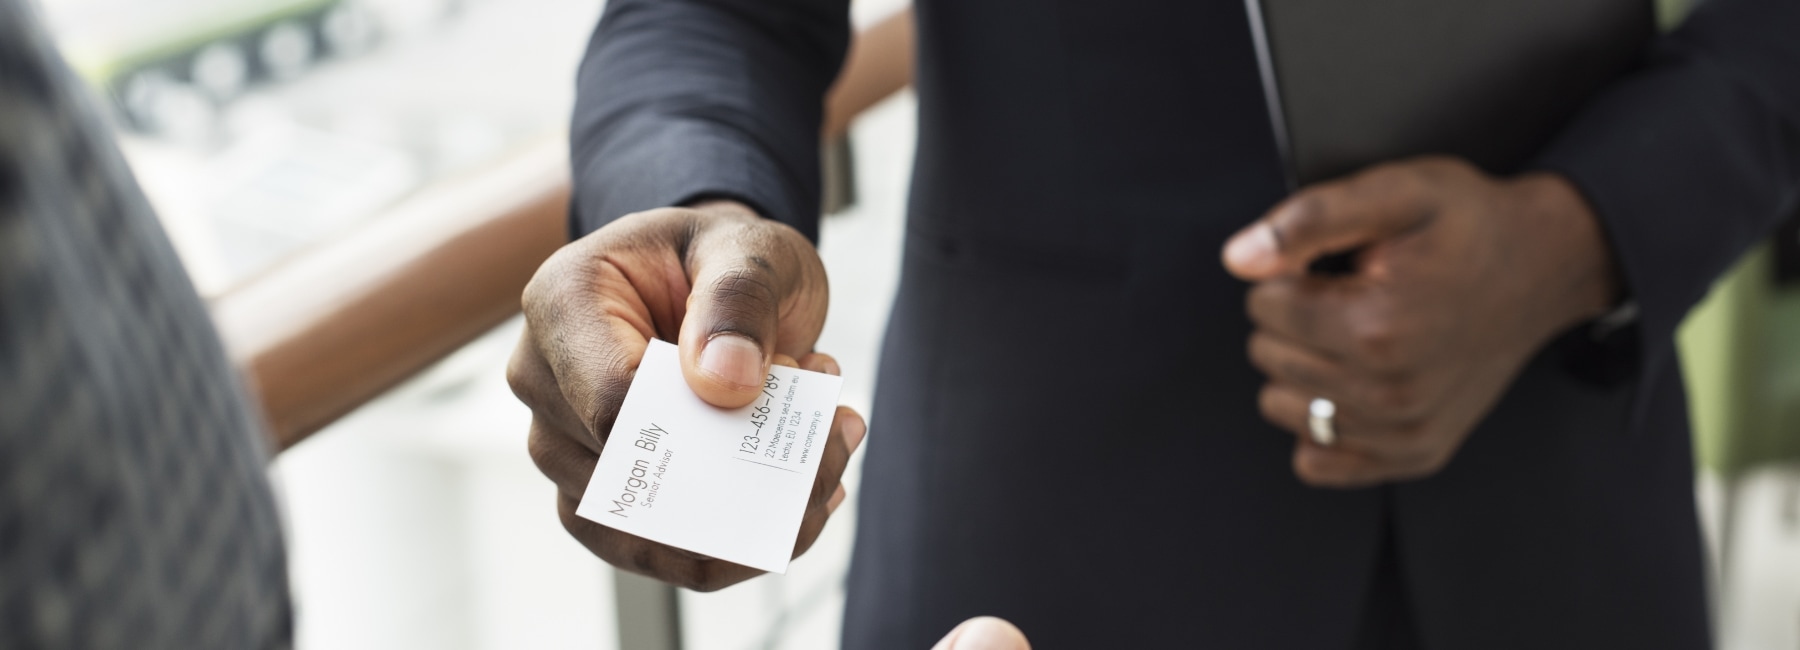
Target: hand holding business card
731, 484
679, 274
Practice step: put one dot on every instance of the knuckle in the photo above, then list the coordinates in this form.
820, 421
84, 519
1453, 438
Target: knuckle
1269, 403
1304, 220
1434, 172
1377, 341
636, 555
593, 397
607, 396
1416, 180
546, 287
705, 580
1297, 371
1259, 303
1410, 439
1415, 445
702, 586
1318, 473
1266, 356
1385, 179
525, 374
1439, 165
1286, 307
541, 449
1399, 398
1336, 469
518, 374
1425, 463
685, 574
1257, 349
556, 458
536, 447
1377, 344
1436, 458
745, 293
572, 524
537, 289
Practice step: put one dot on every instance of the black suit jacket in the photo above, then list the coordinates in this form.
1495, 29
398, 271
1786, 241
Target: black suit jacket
1065, 431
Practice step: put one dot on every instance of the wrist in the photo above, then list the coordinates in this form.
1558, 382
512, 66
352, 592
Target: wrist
725, 208
1579, 279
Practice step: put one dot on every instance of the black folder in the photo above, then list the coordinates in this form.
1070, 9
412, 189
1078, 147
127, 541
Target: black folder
1351, 83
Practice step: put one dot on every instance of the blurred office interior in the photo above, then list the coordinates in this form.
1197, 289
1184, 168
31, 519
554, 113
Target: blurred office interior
269, 133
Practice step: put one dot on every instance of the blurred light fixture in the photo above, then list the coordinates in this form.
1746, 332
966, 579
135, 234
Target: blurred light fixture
221, 69
287, 49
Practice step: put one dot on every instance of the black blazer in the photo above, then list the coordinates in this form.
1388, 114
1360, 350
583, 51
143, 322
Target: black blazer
1065, 431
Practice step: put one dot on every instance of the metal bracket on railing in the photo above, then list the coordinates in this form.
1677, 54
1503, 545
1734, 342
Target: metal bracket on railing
649, 613
837, 164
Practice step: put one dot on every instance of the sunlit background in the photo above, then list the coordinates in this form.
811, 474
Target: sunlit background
260, 128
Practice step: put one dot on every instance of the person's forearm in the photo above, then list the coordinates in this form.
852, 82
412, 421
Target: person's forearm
879, 65
1690, 160
1581, 277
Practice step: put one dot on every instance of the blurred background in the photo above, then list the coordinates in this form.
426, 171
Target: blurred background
270, 132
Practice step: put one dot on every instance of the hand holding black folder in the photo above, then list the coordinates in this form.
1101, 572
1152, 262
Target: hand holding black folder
1459, 276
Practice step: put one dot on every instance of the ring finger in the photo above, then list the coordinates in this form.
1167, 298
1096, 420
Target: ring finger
1289, 407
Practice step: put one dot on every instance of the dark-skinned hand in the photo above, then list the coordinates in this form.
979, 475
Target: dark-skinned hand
1458, 279
735, 291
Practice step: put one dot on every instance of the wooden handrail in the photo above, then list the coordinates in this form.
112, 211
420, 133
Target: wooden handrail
334, 326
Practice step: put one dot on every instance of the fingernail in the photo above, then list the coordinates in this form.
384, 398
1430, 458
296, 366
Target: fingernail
1252, 250
837, 499
854, 432
831, 368
732, 359
983, 634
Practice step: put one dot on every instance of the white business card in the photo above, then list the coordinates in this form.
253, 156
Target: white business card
725, 483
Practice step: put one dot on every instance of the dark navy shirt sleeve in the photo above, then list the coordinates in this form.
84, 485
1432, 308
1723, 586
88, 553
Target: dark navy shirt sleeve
1692, 159
680, 100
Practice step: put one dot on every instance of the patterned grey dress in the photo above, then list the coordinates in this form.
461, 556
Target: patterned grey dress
135, 511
